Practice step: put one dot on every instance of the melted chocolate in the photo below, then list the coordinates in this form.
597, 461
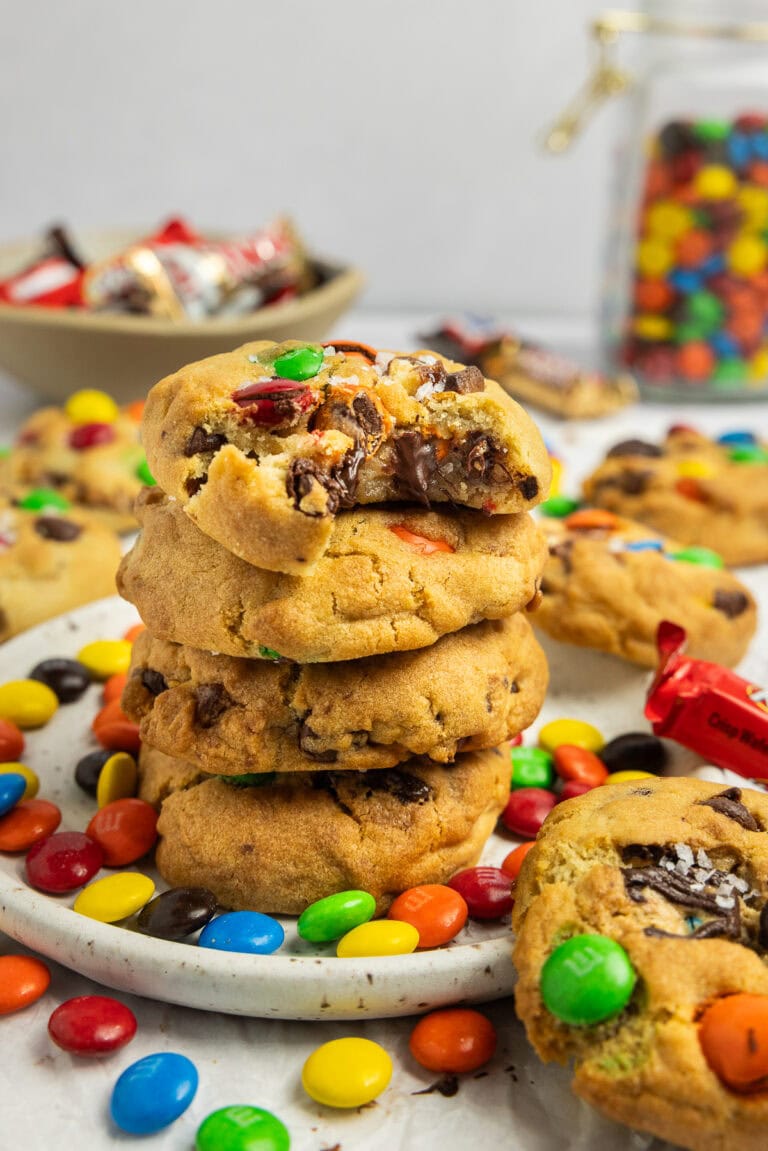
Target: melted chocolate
728, 926
367, 415
211, 701
762, 928
528, 487
562, 551
673, 886
55, 528
728, 803
404, 787
302, 476
203, 441
731, 603
634, 448
448, 1086
415, 465
193, 484
480, 456
153, 681
306, 738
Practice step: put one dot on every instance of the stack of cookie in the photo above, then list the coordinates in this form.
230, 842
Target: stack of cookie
330, 664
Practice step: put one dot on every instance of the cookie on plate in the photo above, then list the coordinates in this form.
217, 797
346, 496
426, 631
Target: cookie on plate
98, 465
472, 689
609, 582
639, 914
51, 560
262, 446
278, 847
392, 579
705, 492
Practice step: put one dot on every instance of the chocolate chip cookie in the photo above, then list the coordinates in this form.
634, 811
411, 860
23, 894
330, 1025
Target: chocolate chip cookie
262, 446
701, 491
278, 847
392, 579
670, 878
470, 690
609, 582
96, 466
51, 561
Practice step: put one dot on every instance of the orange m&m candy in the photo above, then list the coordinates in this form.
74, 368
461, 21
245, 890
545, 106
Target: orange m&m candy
572, 762
113, 688
421, 544
115, 730
695, 360
455, 1039
125, 830
437, 912
132, 632
653, 295
23, 979
512, 863
733, 1033
589, 519
28, 822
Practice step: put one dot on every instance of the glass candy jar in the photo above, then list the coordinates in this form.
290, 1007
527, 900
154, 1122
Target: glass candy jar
685, 303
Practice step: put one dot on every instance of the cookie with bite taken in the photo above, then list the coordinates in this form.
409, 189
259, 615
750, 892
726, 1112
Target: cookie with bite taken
262, 447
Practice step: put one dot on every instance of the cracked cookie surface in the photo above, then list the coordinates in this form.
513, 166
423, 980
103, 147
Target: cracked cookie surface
278, 847
472, 689
101, 476
609, 587
692, 488
676, 872
262, 463
50, 562
392, 579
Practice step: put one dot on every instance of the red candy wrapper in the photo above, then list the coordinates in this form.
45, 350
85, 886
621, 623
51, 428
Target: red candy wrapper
708, 708
54, 279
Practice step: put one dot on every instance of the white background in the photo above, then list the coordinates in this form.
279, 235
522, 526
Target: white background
404, 135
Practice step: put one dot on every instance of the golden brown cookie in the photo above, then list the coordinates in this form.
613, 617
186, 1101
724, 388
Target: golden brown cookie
609, 585
262, 463
472, 689
95, 466
693, 489
51, 561
379, 588
674, 871
278, 847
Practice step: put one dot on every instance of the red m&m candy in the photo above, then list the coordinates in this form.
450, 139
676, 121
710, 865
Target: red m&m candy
527, 809
487, 891
92, 1025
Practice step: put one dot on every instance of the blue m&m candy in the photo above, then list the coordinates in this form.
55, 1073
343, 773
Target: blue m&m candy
12, 788
153, 1092
644, 546
246, 931
737, 439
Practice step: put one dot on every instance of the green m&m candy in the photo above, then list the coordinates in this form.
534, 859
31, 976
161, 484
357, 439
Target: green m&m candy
299, 363
43, 499
242, 1128
586, 980
730, 373
704, 308
704, 557
748, 454
531, 767
250, 779
334, 916
145, 475
558, 507
269, 653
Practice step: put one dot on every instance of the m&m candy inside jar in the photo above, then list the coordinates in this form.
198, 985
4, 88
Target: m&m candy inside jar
686, 296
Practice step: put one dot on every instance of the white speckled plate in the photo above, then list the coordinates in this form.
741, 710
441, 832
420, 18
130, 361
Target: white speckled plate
298, 982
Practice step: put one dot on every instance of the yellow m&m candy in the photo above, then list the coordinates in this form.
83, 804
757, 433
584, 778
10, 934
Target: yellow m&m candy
747, 255
27, 702
346, 1072
115, 897
91, 406
668, 220
32, 781
106, 657
118, 779
715, 182
576, 732
628, 776
381, 937
654, 258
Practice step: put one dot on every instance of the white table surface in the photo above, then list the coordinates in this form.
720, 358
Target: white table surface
50, 1099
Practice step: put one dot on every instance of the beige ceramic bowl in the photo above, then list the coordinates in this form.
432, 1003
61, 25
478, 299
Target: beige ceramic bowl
56, 351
